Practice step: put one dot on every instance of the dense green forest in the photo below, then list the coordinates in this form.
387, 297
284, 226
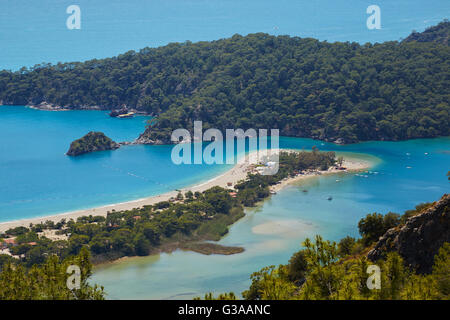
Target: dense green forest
185, 222
326, 270
304, 87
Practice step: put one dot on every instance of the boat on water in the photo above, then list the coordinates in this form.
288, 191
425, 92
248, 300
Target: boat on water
122, 113
126, 115
330, 198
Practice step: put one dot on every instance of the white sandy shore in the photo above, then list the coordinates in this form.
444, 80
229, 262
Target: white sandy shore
237, 173
351, 165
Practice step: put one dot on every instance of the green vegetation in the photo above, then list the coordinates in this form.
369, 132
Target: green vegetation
257, 187
326, 270
211, 248
321, 272
184, 222
306, 88
439, 33
48, 281
93, 141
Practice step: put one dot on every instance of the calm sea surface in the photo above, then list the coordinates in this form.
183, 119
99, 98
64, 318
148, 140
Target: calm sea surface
34, 31
37, 179
404, 174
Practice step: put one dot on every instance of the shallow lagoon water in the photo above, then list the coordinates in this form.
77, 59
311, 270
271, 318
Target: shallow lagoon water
402, 176
36, 179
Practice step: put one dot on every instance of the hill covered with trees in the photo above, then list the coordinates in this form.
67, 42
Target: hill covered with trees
439, 33
304, 87
93, 141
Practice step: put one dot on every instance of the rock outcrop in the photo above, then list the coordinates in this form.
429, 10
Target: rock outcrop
153, 137
93, 141
419, 239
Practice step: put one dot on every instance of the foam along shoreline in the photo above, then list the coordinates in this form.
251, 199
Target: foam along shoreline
231, 177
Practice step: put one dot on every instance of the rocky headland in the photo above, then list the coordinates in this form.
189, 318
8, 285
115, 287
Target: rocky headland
93, 141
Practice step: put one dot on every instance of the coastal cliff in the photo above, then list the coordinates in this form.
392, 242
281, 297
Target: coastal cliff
419, 239
93, 141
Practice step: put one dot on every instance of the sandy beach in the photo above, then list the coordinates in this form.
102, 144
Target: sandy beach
232, 176
351, 165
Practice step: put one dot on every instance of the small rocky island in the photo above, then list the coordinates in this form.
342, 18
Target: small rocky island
93, 141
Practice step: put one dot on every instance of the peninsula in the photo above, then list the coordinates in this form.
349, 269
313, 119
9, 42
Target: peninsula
182, 219
339, 92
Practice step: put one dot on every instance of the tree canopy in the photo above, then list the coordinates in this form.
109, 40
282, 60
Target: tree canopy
305, 87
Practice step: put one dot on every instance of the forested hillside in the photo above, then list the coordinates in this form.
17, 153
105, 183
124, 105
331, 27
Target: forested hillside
439, 33
304, 87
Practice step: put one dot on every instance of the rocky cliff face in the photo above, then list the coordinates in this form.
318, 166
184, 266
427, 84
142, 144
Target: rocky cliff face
93, 141
420, 238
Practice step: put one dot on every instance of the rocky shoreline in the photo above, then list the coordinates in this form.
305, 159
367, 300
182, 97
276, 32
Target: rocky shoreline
147, 137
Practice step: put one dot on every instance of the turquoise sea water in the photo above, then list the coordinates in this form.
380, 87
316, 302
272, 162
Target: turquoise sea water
404, 174
37, 179
34, 31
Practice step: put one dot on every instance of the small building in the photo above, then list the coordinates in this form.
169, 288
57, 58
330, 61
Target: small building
10, 241
136, 217
32, 243
233, 194
260, 170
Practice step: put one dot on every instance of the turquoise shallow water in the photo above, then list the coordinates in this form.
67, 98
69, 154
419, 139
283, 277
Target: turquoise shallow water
404, 174
33, 32
36, 179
